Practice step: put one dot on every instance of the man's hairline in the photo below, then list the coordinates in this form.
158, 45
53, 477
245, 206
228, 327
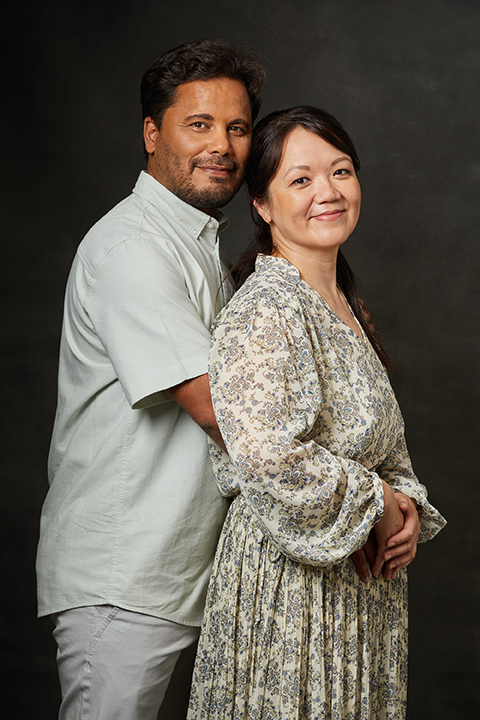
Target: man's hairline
189, 82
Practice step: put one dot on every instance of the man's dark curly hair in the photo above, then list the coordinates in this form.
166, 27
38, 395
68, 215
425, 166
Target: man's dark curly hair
203, 60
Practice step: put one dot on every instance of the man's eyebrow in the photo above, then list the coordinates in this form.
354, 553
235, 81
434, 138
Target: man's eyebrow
203, 116
240, 121
206, 116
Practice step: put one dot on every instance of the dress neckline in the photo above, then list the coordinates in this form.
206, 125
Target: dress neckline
291, 273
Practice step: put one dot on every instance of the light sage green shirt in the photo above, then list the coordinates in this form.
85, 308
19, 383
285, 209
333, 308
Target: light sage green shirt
133, 513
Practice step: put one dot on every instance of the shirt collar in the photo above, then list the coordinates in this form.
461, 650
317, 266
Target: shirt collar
194, 221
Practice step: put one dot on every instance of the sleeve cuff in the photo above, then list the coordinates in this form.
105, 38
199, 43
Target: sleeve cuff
149, 391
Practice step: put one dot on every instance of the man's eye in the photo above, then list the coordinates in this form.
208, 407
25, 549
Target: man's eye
199, 124
238, 129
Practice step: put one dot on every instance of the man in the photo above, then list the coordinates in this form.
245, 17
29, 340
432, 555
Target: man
130, 523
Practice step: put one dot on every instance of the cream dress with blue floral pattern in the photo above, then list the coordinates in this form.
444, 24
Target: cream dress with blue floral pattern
311, 424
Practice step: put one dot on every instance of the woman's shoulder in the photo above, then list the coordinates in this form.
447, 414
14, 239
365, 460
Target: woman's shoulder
269, 297
267, 288
274, 283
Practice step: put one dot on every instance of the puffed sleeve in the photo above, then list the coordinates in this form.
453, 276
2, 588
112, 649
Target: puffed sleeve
316, 507
397, 470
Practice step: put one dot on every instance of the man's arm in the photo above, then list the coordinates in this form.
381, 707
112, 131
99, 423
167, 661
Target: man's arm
194, 397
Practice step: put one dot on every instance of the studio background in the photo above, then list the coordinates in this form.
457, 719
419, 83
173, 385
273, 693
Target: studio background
403, 78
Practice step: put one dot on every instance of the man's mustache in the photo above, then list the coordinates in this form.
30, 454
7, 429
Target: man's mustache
215, 162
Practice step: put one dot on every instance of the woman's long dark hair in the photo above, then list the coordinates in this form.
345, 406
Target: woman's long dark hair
268, 142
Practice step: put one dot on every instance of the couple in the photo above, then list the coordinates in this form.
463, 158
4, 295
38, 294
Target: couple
317, 465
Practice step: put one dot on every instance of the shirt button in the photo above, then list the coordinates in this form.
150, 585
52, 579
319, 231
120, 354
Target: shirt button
210, 224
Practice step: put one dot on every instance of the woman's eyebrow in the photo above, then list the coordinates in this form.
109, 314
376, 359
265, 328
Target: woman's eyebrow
340, 159
297, 167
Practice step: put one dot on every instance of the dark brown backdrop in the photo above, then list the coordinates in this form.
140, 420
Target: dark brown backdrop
403, 77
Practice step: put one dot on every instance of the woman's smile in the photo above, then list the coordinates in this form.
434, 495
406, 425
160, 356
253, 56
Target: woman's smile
328, 215
313, 201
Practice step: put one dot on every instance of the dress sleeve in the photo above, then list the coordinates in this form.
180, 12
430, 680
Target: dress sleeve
397, 470
316, 507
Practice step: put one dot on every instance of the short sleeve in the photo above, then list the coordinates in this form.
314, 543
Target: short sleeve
150, 328
315, 506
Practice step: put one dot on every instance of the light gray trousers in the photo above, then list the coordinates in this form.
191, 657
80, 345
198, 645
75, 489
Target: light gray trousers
114, 664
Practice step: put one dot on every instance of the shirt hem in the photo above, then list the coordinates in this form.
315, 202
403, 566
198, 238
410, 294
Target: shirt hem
43, 612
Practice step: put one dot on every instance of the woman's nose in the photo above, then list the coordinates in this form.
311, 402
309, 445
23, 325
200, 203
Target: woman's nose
326, 191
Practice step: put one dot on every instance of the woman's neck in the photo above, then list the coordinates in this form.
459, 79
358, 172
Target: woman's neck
318, 270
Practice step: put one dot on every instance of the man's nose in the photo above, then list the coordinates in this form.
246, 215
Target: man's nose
219, 142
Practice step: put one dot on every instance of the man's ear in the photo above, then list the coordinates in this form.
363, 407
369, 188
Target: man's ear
150, 131
261, 206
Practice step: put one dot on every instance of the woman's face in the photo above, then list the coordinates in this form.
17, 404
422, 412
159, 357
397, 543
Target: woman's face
314, 198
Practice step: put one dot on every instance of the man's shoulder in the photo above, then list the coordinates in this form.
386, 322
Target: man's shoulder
130, 221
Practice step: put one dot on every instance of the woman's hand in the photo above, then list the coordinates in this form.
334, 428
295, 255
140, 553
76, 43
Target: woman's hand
387, 528
402, 547
364, 558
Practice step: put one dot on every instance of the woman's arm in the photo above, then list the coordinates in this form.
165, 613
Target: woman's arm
400, 550
397, 471
317, 507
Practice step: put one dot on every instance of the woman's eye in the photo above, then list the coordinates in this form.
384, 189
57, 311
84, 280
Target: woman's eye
300, 181
342, 171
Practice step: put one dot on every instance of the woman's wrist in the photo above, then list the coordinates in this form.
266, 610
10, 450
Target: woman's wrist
388, 495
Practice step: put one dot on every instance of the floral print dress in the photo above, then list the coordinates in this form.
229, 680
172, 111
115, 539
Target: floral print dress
311, 424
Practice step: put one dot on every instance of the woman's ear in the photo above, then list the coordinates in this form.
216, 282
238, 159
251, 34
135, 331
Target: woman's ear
261, 206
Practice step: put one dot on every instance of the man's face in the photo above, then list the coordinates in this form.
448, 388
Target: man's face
200, 151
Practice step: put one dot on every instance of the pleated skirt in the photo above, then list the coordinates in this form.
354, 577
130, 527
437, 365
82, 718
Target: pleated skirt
283, 640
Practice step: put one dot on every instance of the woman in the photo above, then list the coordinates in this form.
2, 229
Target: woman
316, 459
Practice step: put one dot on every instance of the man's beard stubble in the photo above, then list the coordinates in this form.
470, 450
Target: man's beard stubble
209, 198
181, 185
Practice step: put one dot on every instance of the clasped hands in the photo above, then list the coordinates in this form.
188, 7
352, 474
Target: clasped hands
392, 543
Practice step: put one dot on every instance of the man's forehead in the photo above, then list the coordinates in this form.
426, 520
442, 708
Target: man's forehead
211, 97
